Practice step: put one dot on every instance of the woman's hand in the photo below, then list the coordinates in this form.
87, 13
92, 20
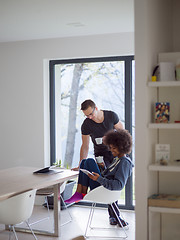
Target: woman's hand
94, 177
102, 165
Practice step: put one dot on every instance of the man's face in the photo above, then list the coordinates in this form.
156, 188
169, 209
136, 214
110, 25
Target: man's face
90, 112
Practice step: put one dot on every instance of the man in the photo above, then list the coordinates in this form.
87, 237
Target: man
96, 124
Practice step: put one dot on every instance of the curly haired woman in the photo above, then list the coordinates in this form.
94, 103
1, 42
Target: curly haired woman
114, 177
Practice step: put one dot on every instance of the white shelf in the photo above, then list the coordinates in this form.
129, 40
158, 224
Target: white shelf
164, 84
172, 167
164, 210
164, 125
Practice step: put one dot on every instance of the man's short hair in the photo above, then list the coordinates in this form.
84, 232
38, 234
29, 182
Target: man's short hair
86, 104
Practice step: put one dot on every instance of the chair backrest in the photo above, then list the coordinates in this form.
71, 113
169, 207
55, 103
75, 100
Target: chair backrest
18, 208
102, 195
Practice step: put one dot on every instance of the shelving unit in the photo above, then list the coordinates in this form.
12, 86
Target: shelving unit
172, 167
156, 31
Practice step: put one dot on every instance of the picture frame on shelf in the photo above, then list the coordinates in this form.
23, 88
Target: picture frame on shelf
162, 112
162, 154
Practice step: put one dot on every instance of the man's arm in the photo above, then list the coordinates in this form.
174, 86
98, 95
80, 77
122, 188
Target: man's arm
84, 147
118, 126
83, 150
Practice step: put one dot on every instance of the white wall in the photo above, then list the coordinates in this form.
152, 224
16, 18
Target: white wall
151, 18
176, 28
24, 90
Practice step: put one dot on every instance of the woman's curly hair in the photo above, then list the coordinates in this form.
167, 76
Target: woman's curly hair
120, 138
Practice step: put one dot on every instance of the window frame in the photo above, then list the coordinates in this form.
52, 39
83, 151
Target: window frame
128, 109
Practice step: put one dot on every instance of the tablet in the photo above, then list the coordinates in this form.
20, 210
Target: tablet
86, 171
42, 170
47, 170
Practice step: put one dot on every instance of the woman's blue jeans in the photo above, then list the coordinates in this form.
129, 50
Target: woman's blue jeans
90, 165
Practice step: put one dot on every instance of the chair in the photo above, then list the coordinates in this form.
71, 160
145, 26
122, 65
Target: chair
104, 196
17, 209
49, 192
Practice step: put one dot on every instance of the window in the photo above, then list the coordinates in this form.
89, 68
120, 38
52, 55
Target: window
109, 82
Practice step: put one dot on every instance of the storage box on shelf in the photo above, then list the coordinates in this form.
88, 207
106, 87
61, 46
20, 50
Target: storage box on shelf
164, 200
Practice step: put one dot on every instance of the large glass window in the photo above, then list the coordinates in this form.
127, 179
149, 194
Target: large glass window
109, 83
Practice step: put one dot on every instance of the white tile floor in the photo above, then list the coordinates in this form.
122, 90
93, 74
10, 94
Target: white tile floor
77, 226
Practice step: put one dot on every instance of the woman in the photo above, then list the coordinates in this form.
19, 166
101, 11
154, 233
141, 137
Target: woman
114, 177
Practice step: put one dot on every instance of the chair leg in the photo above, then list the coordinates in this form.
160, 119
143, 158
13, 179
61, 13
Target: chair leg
119, 221
10, 232
31, 230
92, 214
67, 211
14, 232
38, 221
127, 227
90, 221
46, 197
90, 218
49, 213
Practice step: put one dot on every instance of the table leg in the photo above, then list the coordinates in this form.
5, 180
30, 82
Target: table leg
56, 210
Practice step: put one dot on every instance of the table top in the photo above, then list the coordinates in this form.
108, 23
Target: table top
18, 179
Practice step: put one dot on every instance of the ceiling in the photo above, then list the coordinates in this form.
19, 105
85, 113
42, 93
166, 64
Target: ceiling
42, 19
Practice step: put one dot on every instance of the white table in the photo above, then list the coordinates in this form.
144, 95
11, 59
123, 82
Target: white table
20, 179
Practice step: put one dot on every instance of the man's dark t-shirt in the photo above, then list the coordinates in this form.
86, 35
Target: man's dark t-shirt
98, 130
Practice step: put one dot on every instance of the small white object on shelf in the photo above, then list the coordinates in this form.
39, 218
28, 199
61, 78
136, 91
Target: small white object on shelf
162, 153
166, 71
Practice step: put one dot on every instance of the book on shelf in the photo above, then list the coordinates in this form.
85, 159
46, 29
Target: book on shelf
164, 200
162, 153
162, 112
